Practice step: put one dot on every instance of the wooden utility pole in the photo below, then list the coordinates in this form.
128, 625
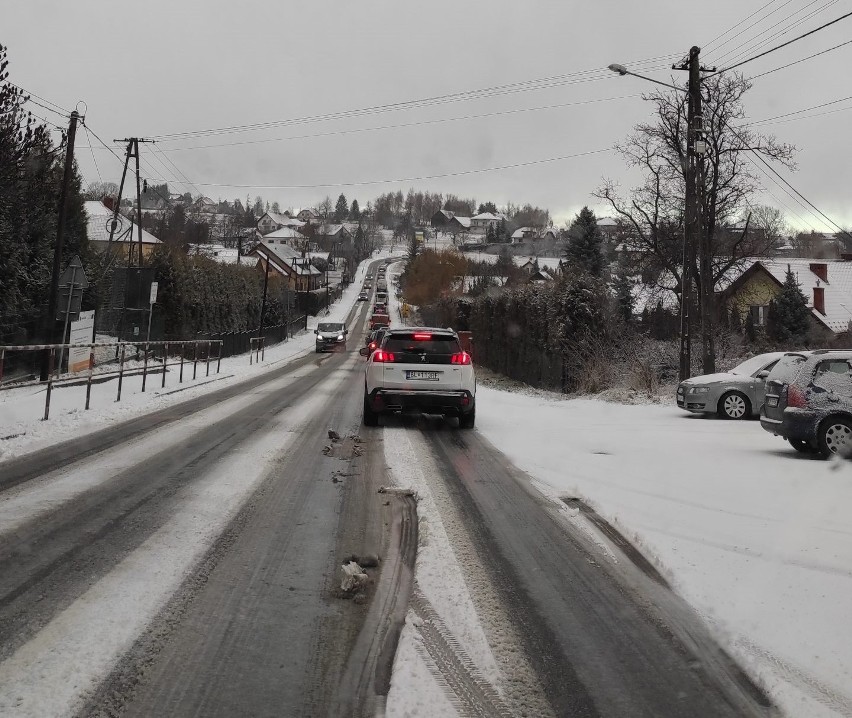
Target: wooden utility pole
53, 298
138, 202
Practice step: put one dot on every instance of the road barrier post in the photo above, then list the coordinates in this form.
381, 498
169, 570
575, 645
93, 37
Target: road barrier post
47, 395
219, 359
165, 362
145, 368
208, 358
121, 370
182, 349
2, 361
262, 348
194, 360
91, 369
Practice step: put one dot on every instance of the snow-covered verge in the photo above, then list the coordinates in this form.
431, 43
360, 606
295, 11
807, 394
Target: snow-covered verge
755, 536
21, 409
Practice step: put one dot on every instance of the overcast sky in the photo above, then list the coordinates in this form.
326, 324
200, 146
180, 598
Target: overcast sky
170, 66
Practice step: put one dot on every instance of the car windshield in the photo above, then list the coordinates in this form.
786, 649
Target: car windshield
411, 344
330, 327
750, 366
787, 368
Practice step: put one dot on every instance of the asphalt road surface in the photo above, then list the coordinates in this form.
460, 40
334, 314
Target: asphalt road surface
257, 624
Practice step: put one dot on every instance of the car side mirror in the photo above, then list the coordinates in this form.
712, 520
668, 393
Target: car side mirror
763, 373
316, 331
364, 351
346, 331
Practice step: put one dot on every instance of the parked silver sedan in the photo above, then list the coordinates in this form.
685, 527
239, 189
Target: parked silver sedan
736, 394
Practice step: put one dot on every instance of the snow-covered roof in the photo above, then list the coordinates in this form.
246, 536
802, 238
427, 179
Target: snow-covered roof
216, 252
463, 221
329, 230
99, 217
520, 232
607, 222
281, 255
488, 216
837, 287
284, 233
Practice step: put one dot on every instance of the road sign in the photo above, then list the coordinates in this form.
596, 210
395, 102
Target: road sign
74, 274
82, 332
154, 286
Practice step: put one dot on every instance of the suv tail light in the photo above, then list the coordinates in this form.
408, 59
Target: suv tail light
460, 358
796, 397
382, 356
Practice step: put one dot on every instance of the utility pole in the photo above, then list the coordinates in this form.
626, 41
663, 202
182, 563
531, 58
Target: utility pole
50, 320
138, 205
693, 225
263, 301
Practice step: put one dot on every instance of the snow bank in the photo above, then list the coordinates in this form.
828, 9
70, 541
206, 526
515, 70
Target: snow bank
754, 535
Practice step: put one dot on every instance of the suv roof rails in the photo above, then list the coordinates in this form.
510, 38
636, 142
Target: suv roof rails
831, 351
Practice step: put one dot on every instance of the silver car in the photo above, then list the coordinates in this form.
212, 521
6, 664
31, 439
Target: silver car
736, 394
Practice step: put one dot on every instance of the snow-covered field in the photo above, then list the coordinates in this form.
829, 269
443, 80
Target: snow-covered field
755, 536
21, 409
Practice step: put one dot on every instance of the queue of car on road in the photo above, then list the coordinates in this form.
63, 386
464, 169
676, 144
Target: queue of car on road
804, 397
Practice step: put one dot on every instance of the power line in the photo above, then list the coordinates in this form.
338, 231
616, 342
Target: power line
180, 173
402, 125
796, 62
407, 179
743, 21
778, 47
798, 112
511, 88
94, 159
754, 42
33, 94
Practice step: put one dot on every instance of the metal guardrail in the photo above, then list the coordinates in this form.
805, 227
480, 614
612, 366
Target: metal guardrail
121, 351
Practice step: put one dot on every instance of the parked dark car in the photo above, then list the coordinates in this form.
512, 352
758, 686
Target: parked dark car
809, 401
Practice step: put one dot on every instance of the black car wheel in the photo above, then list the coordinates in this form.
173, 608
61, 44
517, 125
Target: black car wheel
835, 436
371, 418
802, 446
734, 405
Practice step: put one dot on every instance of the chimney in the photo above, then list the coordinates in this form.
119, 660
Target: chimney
820, 269
819, 299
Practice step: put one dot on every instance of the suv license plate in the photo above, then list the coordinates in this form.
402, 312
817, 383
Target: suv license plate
423, 375
772, 401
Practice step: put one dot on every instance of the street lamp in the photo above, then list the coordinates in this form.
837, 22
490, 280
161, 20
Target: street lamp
695, 149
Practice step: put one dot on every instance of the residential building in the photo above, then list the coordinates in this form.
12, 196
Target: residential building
308, 215
125, 238
289, 265
826, 284
441, 218
205, 205
458, 225
272, 221
293, 238
482, 221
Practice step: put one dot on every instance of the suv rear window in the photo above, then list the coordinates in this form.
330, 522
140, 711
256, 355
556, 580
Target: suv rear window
409, 344
787, 369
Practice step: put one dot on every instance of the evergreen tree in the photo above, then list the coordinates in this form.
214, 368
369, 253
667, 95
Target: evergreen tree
624, 297
750, 329
502, 233
584, 243
736, 322
487, 207
355, 211
341, 209
789, 313
490, 235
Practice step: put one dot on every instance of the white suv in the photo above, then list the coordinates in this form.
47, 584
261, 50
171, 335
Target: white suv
419, 369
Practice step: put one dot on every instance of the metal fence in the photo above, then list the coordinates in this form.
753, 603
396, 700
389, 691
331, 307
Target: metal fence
174, 354
234, 343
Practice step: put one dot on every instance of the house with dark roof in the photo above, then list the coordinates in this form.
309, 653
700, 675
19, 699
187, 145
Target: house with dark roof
288, 265
125, 237
826, 284
441, 218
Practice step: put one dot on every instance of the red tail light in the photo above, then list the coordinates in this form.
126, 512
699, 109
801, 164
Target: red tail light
423, 336
372, 346
382, 356
796, 397
461, 358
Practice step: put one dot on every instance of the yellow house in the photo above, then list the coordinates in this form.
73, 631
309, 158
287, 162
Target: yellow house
826, 284
125, 237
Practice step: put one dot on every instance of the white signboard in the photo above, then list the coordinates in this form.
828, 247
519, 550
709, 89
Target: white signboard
154, 286
82, 332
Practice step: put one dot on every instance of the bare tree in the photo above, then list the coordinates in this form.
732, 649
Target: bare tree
770, 223
325, 208
653, 213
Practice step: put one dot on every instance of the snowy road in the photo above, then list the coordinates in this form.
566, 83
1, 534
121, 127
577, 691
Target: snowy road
193, 569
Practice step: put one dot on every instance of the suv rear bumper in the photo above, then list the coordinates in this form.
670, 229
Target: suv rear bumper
453, 403
793, 424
